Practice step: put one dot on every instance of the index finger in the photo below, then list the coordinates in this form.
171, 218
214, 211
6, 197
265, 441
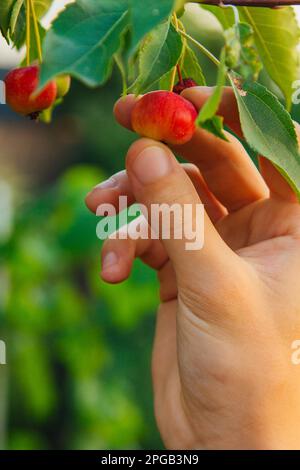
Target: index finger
226, 167
228, 108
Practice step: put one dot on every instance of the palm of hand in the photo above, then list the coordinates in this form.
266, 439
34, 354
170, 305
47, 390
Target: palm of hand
266, 235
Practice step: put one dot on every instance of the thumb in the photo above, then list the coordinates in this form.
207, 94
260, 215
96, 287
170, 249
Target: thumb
161, 185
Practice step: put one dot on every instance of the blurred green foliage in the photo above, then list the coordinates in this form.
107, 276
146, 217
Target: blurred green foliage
78, 350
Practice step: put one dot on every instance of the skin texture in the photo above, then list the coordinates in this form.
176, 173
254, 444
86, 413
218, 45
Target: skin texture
20, 85
222, 371
165, 116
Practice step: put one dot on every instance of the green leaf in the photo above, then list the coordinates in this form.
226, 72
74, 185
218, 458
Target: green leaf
147, 15
224, 15
206, 117
84, 39
122, 69
15, 14
241, 53
18, 21
276, 34
41, 7
214, 125
159, 53
190, 68
165, 81
6, 7
269, 129
211, 106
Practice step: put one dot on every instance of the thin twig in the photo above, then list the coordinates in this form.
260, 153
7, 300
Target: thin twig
175, 69
27, 32
200, 47
36, 32
251, 3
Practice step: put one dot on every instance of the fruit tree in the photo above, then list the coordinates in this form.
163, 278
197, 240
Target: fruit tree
148, 42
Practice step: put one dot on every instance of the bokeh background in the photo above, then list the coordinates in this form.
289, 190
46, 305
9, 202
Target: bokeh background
78, 350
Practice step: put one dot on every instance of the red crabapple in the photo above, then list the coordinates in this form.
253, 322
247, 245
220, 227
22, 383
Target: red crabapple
164, 116
21, 84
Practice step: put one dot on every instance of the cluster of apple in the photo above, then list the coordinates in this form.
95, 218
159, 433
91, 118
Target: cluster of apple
21, 85
161, 115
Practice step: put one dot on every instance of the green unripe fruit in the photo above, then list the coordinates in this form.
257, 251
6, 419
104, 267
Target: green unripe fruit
63, 83
180, 12
179, 4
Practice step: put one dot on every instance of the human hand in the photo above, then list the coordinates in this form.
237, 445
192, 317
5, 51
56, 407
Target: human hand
222, 371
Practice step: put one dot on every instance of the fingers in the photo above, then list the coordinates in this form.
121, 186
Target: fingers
226, 167
118, 253
123, 109
213, 207
167, 281
110, 191
228, 107
158, 180
277, 184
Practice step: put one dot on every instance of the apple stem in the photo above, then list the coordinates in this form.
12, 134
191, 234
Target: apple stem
177, 66
179, 72
27, 32
36, 32
173, 78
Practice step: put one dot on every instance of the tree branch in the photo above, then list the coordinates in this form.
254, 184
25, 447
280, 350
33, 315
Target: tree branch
252, 3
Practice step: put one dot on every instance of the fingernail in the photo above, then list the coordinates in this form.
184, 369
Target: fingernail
111, 183
109, 261
107, 184
152, 164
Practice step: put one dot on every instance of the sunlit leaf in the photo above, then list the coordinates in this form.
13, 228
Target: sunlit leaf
84, 39
6, 7
269, 129
147, 15
224, 15
158, 55
207, 114
276, 34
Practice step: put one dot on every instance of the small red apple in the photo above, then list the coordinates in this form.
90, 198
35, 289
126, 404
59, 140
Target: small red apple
21, 84
183, 85
164, 116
